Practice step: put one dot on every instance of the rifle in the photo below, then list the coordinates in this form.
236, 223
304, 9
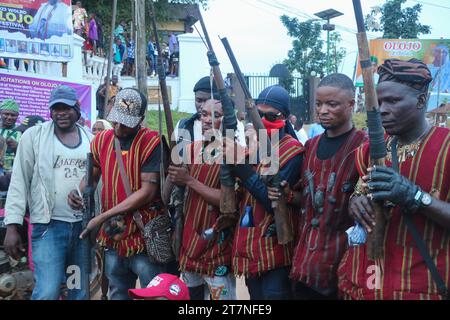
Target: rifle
285, 233
88, 213
162, 78
228, 205
375, 244
178, 192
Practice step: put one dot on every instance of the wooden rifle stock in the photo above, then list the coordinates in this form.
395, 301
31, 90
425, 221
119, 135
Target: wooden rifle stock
285, 232
375, 244
228, 203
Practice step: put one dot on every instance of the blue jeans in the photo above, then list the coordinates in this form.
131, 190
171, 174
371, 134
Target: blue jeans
271, 285
122, 273
57, 256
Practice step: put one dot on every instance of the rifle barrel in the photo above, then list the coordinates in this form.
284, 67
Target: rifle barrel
236, 68
89, 208
162, 79
253, 113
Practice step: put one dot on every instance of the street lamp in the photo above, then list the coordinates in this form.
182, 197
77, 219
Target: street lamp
328, 15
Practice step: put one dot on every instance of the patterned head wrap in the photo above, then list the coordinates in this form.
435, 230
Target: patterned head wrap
412, 73
9, 104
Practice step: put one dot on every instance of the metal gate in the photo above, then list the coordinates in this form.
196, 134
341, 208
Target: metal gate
299, 105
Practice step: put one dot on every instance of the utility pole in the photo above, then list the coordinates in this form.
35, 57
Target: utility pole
328, 15
110, 58
141, 49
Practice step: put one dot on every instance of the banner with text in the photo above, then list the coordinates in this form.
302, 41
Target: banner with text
433, 52
33, 94
36, 29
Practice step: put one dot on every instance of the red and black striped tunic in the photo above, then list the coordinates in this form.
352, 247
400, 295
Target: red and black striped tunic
197, 254
113, 191
403, 274
253, 252
322, 238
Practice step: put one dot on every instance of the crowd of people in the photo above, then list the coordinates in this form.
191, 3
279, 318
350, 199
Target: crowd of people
90, 28
124, 52
327, 184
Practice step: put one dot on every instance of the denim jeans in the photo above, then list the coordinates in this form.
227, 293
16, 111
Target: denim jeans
57, 257
271, 285
122, 273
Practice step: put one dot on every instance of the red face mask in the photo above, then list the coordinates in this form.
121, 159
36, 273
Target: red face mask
273, 126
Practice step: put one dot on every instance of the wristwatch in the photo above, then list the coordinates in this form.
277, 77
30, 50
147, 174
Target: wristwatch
426, 199
423, 199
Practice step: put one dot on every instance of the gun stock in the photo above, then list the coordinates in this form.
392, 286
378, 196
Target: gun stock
285, 232
375, 244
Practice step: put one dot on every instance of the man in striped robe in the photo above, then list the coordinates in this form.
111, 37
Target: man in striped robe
328, 179
125, 256
205, 255
415, 188
257, 255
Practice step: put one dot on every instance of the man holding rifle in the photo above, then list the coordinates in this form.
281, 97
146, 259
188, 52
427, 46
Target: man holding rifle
205, 254
193, 126
415, 189
140, 149
328, 178
256, 252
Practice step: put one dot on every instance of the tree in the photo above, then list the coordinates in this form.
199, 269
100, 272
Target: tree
163, 9
337, 54
307, 53
397, 23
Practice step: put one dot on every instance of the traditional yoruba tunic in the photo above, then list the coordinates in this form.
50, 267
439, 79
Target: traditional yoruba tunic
404, 274
255, 251
113, 191
325, 218
197, 254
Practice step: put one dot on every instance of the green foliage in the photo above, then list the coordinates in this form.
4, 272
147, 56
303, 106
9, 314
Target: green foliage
360, 120
153, 119
308, 51
337, 54
163, 10
398, 23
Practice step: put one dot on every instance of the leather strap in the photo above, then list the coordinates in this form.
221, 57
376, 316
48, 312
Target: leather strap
137, 217
441, 286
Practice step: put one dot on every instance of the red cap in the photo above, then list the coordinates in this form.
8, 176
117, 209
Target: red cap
163, 285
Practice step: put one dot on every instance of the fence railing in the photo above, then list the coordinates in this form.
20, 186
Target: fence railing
299, 104
35, 66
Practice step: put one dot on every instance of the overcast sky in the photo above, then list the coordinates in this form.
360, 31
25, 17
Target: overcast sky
259, 39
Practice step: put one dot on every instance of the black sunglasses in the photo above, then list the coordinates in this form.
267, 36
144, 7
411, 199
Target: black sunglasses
270, 116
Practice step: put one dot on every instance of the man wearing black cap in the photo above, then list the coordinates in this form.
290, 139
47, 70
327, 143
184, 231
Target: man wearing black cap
50, 161
256, 252
130, 197
192, 127
29, 122
415, 188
